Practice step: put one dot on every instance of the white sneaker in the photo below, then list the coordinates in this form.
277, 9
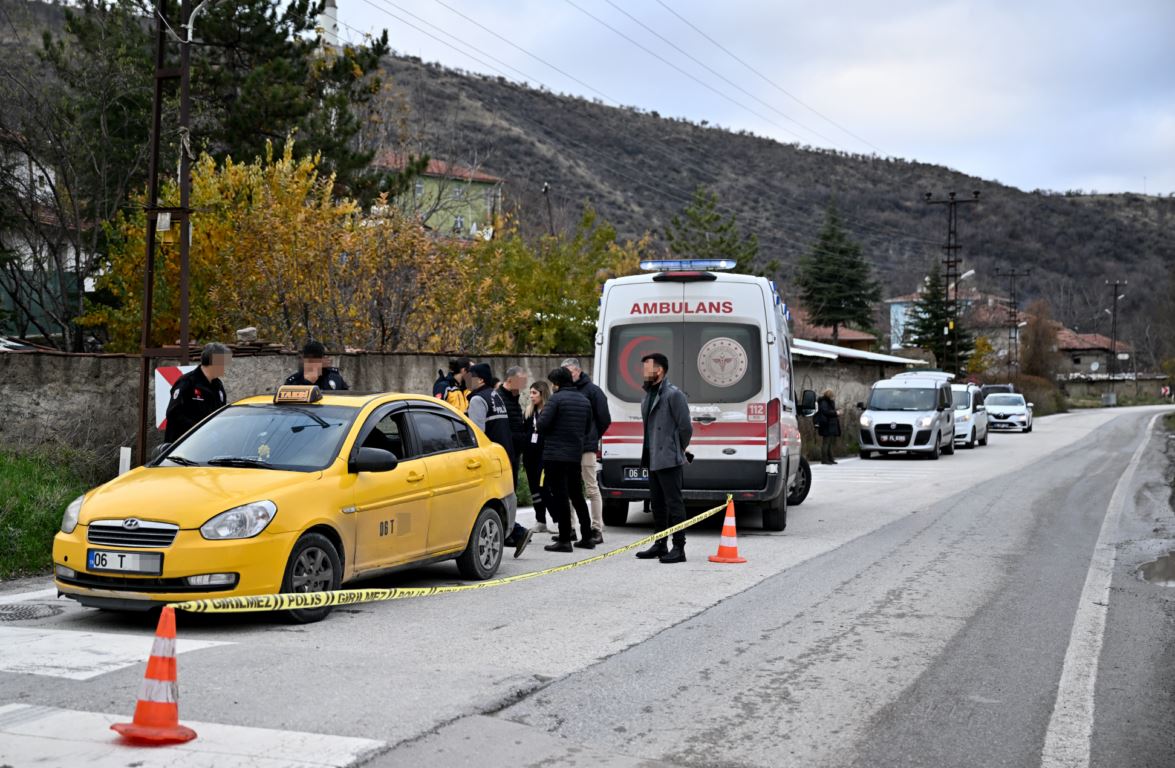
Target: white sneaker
541, 528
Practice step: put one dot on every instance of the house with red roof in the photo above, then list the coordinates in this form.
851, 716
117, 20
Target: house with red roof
448, 198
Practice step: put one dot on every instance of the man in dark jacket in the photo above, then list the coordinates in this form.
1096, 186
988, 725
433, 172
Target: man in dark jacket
510, 390
564, 425
668, 431
488, 412
315, 370
601, 420
198, 393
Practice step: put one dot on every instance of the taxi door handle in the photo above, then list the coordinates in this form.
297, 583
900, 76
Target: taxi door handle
414, 477
473, 464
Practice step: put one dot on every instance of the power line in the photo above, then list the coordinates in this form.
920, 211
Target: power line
718, 74
766, 79
691, 76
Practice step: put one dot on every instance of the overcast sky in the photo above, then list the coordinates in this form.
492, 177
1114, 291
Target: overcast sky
1055, 94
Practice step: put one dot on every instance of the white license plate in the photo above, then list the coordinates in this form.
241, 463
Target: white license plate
636, 473
124, 562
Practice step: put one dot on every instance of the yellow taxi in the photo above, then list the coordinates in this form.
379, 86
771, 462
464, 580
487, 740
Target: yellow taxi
296, 492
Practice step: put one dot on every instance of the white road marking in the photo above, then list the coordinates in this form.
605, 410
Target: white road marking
20, 597
77, 655
1067, 741
31, 735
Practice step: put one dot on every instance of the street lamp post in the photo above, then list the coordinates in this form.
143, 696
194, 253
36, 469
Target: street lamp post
1114, 337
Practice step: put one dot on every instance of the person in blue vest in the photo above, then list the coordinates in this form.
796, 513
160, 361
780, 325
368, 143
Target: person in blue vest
488, 411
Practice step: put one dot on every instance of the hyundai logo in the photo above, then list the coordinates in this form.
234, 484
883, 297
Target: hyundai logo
130, 523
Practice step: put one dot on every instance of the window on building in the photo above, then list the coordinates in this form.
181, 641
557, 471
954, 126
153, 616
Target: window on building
458, 193
1076, 359
458, 223
419, 188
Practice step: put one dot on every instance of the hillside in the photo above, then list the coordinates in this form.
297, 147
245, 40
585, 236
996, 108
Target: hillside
639, 168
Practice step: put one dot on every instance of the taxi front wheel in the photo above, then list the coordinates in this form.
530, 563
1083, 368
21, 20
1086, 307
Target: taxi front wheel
483, 554
314, 566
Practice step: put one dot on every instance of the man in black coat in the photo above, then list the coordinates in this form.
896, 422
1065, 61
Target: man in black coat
601, 420
198, 393
564, 425
510, 390
827, 423
668, 431
314, 370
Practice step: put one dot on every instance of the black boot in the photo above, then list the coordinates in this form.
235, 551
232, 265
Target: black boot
657, 550
675, 555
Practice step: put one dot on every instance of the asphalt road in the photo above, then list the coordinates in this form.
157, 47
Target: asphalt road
982, 610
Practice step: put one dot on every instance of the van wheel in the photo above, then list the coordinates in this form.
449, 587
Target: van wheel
799, 491
483, 553
865, 455
314, 566
615, 512
949, 448
983, 440
934, 453
972, 441
775, 513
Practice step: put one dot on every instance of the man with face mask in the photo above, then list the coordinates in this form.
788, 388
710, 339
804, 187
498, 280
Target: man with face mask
665, 413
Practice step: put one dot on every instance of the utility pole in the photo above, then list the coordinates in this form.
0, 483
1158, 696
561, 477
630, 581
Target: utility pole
1115, 285
164, 74
550, 216
1014, 329
951, 262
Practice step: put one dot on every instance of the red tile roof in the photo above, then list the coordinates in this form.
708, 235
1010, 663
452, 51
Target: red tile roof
1071, 341
395, 161
805, 330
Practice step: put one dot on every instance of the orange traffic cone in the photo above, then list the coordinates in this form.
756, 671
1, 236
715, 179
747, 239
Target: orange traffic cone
728, 544
157, 713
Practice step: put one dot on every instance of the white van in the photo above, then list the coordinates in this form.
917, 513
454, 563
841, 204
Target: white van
911, 413
729, 349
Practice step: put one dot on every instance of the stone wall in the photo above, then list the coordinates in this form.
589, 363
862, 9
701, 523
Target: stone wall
90, 402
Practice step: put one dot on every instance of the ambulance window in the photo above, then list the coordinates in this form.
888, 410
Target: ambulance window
628, 344
723, 362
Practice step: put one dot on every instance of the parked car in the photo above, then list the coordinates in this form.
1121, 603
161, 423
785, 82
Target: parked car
970, 415
1009, 411
908, 413
989, 389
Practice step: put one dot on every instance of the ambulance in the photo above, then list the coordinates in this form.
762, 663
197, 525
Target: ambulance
729, 348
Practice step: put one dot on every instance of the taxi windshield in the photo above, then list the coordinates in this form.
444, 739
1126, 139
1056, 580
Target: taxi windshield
286, 437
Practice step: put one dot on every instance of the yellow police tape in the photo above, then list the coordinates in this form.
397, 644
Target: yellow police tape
301, 600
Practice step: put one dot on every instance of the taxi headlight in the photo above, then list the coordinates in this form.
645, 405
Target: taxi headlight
925, 421
243, 522
69, 521
866, 422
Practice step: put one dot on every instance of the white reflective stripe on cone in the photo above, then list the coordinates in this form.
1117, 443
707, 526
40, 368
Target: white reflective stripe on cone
728, 541
163, 647
160, 691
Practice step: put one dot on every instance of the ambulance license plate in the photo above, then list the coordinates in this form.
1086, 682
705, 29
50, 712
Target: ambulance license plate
124, 562
636, 473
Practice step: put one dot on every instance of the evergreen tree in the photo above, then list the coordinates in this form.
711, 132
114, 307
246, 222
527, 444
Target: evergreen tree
835, 281
701, 232
930, 323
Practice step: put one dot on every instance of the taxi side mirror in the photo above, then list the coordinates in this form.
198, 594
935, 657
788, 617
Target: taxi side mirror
807, 402
373, 460
160, 449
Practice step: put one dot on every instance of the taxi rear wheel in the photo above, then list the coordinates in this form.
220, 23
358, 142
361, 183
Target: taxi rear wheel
314, 566
483, 554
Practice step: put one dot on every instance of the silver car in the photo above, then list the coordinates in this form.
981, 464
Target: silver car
908, 413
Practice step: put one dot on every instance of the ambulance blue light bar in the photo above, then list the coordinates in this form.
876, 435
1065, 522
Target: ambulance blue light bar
686, 265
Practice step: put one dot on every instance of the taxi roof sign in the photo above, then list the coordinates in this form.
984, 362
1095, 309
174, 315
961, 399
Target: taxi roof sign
297, 394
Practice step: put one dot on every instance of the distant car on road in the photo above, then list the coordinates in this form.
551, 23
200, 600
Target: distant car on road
1009, 411
294, 492
990, 389
970, 415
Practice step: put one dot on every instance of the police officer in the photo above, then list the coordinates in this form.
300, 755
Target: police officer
315, 371
488, 411
198, 393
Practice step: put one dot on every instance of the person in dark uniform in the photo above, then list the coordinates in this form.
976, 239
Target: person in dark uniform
488, 411
668, 431
198, 393
315, 370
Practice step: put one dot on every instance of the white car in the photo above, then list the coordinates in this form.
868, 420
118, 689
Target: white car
1008, 411
970, 415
